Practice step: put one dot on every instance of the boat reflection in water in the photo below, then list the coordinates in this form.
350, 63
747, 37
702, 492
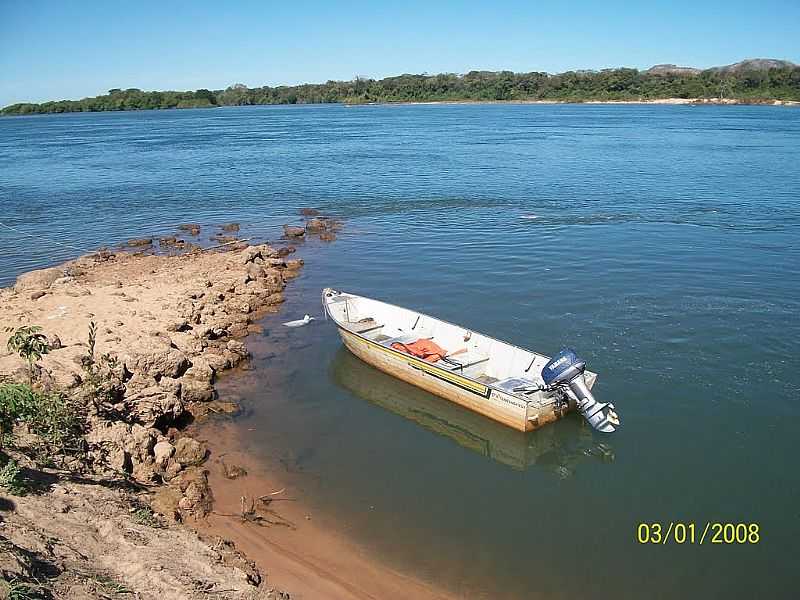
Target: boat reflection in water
558, 449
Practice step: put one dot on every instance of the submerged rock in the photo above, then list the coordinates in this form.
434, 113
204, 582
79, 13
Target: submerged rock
309, 212
230, 227
189, 452
138, 242
293, 231
316, 225
192, 228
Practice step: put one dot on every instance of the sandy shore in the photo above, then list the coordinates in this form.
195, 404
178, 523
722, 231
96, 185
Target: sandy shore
148, 509
286, 540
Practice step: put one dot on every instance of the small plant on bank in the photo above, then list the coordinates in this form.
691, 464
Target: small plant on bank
144, 515
99, 374
15, 589
30, 344
11, 478
51, 417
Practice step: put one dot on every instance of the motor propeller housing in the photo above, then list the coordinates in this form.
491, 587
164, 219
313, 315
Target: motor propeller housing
566, 371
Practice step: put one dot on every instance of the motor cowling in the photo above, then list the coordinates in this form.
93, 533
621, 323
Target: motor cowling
566, 371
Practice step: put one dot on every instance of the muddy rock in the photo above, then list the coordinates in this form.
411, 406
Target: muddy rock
197, 499
154, 407
41, 279
292, 231
189, 452
165, 502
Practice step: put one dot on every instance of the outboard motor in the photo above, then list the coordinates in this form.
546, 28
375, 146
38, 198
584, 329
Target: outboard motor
565, 371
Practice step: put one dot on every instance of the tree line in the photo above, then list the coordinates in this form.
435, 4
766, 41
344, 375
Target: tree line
573, 86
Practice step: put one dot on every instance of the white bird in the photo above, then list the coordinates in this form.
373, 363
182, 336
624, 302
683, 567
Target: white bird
300, 322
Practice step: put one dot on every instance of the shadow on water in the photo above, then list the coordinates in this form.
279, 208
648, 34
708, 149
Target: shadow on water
558, 450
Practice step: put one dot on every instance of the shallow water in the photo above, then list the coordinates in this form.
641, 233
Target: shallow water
660, 241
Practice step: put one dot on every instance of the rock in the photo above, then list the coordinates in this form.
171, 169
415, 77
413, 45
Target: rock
189, 452
286, 251
233, 471
37, 295
138, 383
170, 384
156, 357
172, 469
165, 502
327, 236
293, 232
254, 272
200, 371
169, 240
216, 361
295, 264
55, 342
139, 242
197, 499
237, 347
316, 225
192, 228
162, 452
309, 212
145, 473
119, 460
41, 279
230, 227
181, 325
196, 391
154, 407
250, 254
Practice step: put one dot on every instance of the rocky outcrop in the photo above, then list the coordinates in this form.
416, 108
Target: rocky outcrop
292, 231
38, 280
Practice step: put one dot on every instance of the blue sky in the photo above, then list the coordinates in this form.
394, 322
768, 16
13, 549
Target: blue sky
55, 50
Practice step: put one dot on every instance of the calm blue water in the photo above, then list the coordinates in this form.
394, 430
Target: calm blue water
661, 242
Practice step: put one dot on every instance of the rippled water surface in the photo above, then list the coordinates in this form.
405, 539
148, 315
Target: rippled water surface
661, 242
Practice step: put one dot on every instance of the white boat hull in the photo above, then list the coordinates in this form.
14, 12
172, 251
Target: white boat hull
524, 413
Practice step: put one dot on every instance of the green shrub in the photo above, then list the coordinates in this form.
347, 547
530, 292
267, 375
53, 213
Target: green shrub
11, 478
30, 344
50, 416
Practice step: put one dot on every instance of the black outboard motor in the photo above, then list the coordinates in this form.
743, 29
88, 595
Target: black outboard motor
565, 371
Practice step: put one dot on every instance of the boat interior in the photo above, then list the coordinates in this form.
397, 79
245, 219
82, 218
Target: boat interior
489, 361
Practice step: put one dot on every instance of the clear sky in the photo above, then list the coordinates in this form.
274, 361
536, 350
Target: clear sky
56, 50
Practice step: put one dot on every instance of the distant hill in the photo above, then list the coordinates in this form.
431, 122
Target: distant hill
669, 69
750, 64
755, 64
757, 80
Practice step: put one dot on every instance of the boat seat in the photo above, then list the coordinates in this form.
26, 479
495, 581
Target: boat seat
463, 360
364, 325
517, 385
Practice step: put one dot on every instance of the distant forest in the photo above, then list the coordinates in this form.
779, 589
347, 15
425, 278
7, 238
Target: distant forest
575, 86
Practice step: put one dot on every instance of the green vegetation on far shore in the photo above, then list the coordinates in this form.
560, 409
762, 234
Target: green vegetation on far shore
744, 84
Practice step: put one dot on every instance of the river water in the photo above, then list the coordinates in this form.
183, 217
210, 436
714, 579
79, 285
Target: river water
659, 241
